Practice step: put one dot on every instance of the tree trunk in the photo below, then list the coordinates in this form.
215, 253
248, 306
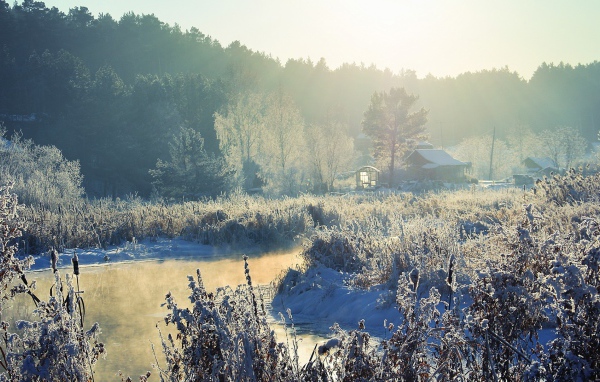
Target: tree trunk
392, 163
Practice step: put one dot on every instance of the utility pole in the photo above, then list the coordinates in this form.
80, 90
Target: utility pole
492, 154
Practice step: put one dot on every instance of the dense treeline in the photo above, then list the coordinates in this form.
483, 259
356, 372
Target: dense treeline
111, 93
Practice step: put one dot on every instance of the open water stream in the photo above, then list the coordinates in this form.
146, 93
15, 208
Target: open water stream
125, 299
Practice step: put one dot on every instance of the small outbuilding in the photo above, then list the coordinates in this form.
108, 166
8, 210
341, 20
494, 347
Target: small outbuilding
433, 164
367, 178
534, 165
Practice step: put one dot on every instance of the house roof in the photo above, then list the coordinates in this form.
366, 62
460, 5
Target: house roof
540, 162
424, 145
368, 168
435, 158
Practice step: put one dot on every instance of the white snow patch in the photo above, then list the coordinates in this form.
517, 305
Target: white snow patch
321, 298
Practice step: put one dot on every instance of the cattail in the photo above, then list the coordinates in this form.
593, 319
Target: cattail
54, 259
450, 269
75, 261
414, 278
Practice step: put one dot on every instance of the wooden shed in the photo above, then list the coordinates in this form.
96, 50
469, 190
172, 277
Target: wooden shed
534, 165
435, 165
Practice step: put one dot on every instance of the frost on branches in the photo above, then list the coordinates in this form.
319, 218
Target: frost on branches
55, 347
223, 337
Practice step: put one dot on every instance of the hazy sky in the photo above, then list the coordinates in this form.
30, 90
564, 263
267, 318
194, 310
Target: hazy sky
441, 37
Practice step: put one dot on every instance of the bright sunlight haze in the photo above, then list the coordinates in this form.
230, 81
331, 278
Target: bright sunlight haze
442, 38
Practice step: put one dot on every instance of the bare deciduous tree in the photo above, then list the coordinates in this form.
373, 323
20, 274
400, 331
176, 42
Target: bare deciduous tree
564, 145
282, 161
330, 152
240, 132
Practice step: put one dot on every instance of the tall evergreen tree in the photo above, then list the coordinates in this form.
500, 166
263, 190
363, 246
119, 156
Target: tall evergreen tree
191, 172
391, 124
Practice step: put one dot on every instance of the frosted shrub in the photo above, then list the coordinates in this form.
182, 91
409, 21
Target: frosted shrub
507, 312
354, 356
11, 227
41, 174
426, 344
340, 250
223, 336
55, 348
573, 355
571, 188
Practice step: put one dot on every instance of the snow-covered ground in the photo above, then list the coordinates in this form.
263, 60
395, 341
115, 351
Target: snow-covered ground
321, 298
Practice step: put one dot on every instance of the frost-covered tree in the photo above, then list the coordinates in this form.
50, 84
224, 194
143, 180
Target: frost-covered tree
523, 143
282, 161
564, 145
330, 151
240, 133
478, 151
191, 171
40, 175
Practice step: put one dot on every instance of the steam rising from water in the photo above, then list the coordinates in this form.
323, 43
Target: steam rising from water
126, 300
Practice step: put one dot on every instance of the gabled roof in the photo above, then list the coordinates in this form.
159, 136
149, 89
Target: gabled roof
434, 157
540, 162
369, 168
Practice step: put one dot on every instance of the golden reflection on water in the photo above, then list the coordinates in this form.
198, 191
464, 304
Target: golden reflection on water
125, 299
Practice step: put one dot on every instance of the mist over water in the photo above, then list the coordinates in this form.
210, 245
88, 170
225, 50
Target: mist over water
125, 299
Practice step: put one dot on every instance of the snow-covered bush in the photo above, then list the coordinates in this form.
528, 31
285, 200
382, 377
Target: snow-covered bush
223, 336
575, 282
55, 347
41, 175
11, 227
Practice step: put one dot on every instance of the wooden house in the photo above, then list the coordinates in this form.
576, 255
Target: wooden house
534, 165
432, 164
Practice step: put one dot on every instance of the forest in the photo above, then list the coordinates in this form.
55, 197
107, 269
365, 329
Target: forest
123, 96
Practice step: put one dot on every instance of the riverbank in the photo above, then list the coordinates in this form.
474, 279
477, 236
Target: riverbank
125, 294
145, 250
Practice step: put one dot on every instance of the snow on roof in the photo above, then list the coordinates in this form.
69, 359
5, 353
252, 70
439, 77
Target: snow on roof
541, 162
437, 157
368, 168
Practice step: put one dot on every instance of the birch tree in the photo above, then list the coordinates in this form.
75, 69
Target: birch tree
564, 145
330, 152
240, 132
282, 162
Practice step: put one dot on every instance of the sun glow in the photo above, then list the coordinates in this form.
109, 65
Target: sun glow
429, 36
